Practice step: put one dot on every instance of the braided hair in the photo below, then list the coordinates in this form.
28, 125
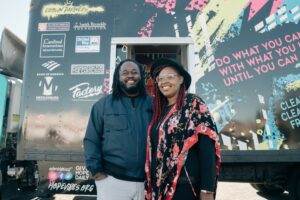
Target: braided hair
160, 102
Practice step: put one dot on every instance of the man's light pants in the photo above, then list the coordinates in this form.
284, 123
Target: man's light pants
111, 188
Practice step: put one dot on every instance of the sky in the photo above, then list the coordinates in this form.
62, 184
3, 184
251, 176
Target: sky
14, 15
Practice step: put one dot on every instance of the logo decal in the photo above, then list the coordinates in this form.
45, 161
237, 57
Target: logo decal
50, 65
85, 44
84, 90
54, 26
52, 45
87, 69
55, 10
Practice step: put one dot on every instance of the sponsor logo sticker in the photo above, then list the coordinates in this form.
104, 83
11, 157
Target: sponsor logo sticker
87, 69
49, 88
83, 91
52, 45
54, 26
87, 44
50, 65
89, 26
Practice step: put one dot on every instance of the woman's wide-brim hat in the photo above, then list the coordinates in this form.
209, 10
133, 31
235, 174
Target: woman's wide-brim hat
161, 63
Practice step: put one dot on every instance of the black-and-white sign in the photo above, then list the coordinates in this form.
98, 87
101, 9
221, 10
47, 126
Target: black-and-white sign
50, 65
48, 89
52, 45
87, 69
83, 91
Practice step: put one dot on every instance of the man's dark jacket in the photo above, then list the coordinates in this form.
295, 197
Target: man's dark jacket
115, 139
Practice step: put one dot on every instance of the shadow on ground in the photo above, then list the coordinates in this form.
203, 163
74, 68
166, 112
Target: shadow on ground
271, 197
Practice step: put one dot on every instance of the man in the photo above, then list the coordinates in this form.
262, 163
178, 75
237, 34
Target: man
115, 140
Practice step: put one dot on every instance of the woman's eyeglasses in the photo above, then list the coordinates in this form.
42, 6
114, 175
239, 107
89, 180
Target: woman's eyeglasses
168, 77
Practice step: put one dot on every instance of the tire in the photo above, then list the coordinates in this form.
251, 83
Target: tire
268, 189
294, 185
0, 185
23, 186
27, 181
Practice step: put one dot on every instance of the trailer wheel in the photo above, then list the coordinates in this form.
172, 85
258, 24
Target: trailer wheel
267, 189
294, 185
0, 185
27, 180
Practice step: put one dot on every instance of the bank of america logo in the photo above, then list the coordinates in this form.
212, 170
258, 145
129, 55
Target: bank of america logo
50, 65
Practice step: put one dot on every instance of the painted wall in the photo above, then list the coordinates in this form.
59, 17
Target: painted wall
246, 69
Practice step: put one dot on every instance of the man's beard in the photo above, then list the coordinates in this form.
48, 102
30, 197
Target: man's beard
131, 90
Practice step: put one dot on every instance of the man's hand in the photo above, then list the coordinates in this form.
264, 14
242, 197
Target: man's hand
206, 196
99, 176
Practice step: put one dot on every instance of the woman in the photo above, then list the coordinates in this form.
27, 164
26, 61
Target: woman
183, 151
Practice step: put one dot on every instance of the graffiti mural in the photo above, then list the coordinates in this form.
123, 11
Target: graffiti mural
244, 55
245, 66
240, 50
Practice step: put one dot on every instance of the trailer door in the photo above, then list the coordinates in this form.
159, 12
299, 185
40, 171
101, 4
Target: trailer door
146, 50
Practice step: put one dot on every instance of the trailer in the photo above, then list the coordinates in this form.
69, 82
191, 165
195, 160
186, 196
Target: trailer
243, 57
12, 51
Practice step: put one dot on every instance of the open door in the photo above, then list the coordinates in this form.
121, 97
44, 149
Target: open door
146, 50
